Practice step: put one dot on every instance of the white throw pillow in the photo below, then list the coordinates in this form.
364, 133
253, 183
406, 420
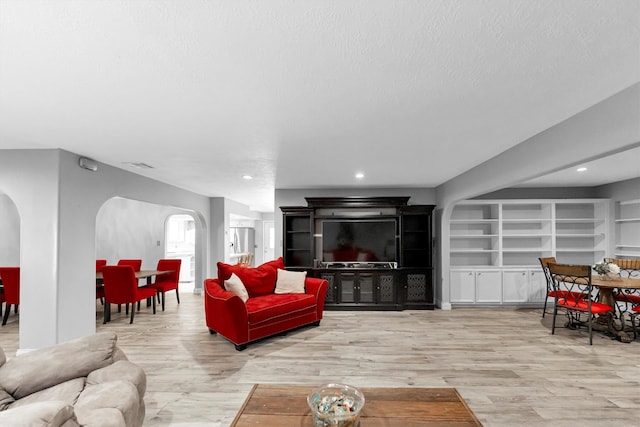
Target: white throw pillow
235, 285
290, 282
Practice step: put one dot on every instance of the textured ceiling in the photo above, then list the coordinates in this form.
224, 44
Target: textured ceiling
304, 93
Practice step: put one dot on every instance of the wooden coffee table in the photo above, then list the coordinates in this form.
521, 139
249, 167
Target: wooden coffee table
286, 405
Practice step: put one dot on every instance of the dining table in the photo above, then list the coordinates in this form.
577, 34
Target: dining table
607, 285
142, 274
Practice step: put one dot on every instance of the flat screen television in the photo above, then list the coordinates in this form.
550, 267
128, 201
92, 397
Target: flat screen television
359, 240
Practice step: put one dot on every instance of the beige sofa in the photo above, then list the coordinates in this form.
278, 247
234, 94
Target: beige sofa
82, 382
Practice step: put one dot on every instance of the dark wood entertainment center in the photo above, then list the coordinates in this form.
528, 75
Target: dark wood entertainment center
403, 279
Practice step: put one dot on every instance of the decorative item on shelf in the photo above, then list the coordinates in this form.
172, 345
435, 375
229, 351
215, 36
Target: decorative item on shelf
607, 270
336, 405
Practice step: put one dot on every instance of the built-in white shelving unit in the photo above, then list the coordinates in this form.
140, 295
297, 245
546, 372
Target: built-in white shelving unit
628, 229
495, 246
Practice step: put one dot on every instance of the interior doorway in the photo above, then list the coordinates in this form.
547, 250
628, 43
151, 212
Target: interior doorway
269, 240
180, 244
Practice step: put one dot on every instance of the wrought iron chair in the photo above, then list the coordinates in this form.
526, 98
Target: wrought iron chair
551, 291
628, 268
544, 262
627, 300
574, 294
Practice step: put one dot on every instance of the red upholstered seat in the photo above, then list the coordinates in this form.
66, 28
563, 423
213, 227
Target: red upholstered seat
270, 307
627, 297
168, 281
135, 263
121, 287
265, 313
100, 263
565, 294
11, 282
583, 305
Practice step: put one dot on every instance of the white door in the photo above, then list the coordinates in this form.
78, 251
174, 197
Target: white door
269, 240
180, 243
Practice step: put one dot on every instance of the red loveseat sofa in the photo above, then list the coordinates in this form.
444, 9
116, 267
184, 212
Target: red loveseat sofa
265, 313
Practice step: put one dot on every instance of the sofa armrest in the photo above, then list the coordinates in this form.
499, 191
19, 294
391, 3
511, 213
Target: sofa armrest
317, 287
52, 413
225, 312
21, 375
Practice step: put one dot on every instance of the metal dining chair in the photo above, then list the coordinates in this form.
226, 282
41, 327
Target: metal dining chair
574, 294
627, 300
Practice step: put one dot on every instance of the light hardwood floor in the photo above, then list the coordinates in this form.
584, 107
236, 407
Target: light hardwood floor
504, 362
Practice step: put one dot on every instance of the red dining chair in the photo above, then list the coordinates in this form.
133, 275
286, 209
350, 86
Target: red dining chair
574, 294
99, 287
11, 282
135, 263
167, 281
2, 299
121, 287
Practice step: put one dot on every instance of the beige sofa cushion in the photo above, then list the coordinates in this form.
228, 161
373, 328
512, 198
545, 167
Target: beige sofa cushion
52, 413
59, 363
67, 392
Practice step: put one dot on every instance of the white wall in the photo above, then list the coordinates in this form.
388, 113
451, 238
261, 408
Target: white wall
132, 229
621, 191
10, 232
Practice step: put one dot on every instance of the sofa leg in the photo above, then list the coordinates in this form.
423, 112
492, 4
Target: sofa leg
212, 332
240, 347
316, 323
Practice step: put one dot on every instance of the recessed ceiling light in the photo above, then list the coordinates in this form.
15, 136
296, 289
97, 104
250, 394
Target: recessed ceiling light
359, 175
582, 169
247, 177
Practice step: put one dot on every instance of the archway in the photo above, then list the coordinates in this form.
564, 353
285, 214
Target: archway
127, 228
180, 243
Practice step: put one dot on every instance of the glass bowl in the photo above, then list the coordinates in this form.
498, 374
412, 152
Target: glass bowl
336, 405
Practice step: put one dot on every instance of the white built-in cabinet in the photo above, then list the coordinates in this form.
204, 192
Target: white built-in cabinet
495, 246
628, 229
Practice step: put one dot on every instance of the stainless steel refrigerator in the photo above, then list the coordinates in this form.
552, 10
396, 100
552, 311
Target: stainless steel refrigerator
243, 240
